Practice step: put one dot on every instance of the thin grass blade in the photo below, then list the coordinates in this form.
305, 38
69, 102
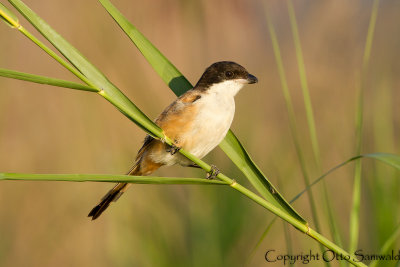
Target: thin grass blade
107, 178
307, 103
390, 159
355, 210
304, 83
44, 80
311, 126
387, 158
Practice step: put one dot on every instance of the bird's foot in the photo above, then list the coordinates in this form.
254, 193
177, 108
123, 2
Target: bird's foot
170, 148
212, 174
173, 149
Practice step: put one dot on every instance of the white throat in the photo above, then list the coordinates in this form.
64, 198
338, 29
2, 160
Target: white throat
227, 88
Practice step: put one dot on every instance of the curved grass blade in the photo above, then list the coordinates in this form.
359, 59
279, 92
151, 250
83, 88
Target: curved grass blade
178, 83
44, 80
390, 159
108, 178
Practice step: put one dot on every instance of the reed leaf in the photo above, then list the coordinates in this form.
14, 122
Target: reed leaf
44, 80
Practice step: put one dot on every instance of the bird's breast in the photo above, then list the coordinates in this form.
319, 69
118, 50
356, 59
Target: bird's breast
211, 123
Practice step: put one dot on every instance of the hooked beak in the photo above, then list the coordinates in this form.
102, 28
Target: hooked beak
251, 79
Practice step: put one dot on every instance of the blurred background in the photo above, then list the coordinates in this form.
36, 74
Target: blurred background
46, 129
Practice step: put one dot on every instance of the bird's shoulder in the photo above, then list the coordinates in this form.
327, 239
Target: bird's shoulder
190, 96
183, 104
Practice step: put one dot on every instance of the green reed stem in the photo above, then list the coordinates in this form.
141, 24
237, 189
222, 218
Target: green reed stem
355, 210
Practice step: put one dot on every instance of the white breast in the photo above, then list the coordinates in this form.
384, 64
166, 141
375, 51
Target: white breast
216, 109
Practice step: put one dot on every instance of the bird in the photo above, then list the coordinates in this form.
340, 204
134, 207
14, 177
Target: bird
197, 121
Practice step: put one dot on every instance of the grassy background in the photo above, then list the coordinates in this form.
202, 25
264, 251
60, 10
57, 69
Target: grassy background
53, 130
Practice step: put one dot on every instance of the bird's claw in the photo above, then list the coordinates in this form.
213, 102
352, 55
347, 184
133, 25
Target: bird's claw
170, 148
212, 174
173, 149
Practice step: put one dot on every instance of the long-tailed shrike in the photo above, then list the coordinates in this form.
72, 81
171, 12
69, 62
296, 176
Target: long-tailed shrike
197, 121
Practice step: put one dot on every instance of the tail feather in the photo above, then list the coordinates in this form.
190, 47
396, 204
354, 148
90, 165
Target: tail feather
143, 166
112, 196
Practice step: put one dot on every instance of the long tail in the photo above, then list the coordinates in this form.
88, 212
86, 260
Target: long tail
112, 196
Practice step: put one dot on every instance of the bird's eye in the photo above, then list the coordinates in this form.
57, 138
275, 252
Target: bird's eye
229, 74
